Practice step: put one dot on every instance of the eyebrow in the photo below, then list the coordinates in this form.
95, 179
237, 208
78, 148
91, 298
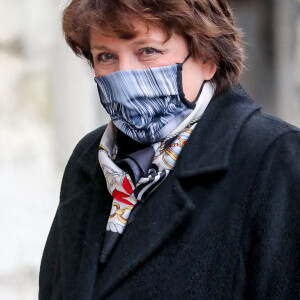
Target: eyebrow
146, 41
138, 42
100, 48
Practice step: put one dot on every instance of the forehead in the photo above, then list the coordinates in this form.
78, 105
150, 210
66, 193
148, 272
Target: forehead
140, 31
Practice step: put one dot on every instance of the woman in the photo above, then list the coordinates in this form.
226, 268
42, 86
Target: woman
190, 192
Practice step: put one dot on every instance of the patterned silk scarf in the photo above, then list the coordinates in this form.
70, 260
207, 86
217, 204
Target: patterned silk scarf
139, 174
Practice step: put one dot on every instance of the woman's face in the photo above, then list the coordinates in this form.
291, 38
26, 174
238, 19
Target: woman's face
148, 49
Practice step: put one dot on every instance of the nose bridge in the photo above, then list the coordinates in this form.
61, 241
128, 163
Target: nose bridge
127, 61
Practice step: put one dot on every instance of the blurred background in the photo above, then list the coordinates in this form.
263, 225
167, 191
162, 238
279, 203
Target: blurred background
48, 101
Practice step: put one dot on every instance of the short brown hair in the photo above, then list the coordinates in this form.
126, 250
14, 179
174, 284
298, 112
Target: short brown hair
207, 25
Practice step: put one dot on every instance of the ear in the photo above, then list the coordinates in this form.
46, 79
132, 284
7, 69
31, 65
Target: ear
209, 69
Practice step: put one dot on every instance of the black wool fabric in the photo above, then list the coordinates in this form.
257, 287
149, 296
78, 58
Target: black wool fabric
225, 224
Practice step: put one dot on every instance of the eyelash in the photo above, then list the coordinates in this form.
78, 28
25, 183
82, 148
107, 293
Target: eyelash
99, 57
156, 51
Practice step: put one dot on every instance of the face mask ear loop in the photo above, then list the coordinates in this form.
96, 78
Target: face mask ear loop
187, 103
189, 55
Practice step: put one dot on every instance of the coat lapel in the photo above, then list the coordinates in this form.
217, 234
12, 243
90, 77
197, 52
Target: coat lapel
83, 220
160, 217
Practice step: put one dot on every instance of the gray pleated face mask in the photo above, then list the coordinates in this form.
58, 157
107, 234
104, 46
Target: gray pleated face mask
145, 104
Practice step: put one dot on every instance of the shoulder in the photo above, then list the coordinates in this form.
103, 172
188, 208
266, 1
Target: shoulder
82, 166
280, 142
273, 146
89, 141
251, 136
252, 127
259, 126
268, 132
269, 124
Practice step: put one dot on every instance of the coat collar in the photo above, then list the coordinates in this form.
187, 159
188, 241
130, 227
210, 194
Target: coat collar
207, 150
209, 146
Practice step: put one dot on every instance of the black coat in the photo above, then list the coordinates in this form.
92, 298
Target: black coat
225, 224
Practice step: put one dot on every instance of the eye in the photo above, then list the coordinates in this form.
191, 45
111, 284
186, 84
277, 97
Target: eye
149, 51
105, 57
